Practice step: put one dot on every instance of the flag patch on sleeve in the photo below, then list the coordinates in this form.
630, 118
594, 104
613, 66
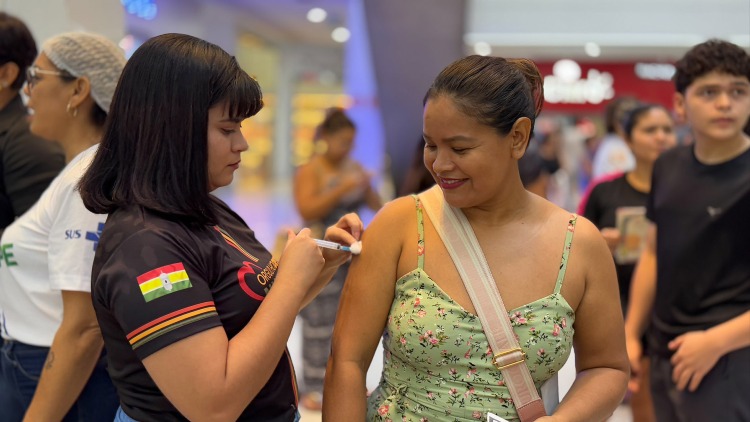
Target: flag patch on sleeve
163, 281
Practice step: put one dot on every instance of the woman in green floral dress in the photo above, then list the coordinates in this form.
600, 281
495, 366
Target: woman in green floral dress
560, 289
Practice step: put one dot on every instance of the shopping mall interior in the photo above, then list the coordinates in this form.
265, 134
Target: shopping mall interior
376, 58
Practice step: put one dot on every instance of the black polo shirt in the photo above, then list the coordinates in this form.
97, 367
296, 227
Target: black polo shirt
157, 280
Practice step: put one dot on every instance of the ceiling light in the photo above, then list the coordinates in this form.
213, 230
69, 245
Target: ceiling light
482, 48
592, 49
340, 34
317, 15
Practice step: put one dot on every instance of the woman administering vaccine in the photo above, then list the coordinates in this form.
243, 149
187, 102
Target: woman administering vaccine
194, 312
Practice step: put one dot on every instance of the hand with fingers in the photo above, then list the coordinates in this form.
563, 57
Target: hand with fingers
347, 231
694, 357
301, 259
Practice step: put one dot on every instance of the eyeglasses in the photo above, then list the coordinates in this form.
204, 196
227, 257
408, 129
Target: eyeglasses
33, 72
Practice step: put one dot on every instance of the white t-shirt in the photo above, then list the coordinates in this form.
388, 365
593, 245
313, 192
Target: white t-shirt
48, 249
612, 156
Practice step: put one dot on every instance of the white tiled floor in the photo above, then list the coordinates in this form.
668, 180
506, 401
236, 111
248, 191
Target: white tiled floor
269, 210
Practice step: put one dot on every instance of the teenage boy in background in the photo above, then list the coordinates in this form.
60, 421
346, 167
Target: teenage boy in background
698, 296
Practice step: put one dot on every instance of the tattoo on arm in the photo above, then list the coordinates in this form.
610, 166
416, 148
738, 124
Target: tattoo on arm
50, 360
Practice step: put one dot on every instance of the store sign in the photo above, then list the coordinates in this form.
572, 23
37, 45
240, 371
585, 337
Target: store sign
573, 87
655, 71
567, 87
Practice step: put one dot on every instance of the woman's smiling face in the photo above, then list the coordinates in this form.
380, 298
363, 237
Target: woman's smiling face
470, 161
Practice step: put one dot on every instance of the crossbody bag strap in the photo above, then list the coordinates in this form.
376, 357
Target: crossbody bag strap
460, 241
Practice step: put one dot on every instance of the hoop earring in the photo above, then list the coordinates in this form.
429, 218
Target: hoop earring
75, 110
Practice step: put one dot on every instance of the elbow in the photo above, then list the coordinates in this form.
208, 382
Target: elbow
623, 377
215, 402
84, 335
340, 372
621, 383
620, 377
91, 336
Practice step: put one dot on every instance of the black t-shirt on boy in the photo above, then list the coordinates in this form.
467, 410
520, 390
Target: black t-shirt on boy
702, 215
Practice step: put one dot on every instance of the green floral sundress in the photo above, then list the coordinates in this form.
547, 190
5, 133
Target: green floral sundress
437, 361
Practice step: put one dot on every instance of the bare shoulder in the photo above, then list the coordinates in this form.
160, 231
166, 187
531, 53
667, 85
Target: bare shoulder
307, 169
391, 223
355, 165
587, 236
382, 246
396, 212
590, 260
392, 220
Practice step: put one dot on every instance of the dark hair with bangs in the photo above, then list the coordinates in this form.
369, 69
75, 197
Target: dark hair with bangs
154, 150
712, 55
494, 90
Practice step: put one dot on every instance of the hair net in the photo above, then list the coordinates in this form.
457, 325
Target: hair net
90, 55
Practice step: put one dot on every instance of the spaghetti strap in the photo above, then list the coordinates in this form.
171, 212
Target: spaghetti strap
420, 231
566, 251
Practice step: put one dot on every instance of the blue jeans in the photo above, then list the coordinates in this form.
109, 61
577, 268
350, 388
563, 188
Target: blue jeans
123, 417
20, 368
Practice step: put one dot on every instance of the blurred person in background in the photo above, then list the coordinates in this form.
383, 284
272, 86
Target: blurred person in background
534, 173
329, 186
649, 131
613, 155
691, 286
540, 162
417, 178
52, 346
585, 132
559, 290
28, 163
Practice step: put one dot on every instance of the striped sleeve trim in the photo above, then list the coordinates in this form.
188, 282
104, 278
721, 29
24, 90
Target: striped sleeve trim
170, 322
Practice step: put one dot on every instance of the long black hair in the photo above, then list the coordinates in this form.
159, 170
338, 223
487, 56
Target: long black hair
154, 151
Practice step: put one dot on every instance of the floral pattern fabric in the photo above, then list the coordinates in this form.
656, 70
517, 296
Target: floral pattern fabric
437, 363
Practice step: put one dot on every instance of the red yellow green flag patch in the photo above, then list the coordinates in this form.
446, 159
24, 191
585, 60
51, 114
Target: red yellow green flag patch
163, 281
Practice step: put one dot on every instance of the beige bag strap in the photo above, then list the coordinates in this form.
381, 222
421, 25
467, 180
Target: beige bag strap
459, 238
